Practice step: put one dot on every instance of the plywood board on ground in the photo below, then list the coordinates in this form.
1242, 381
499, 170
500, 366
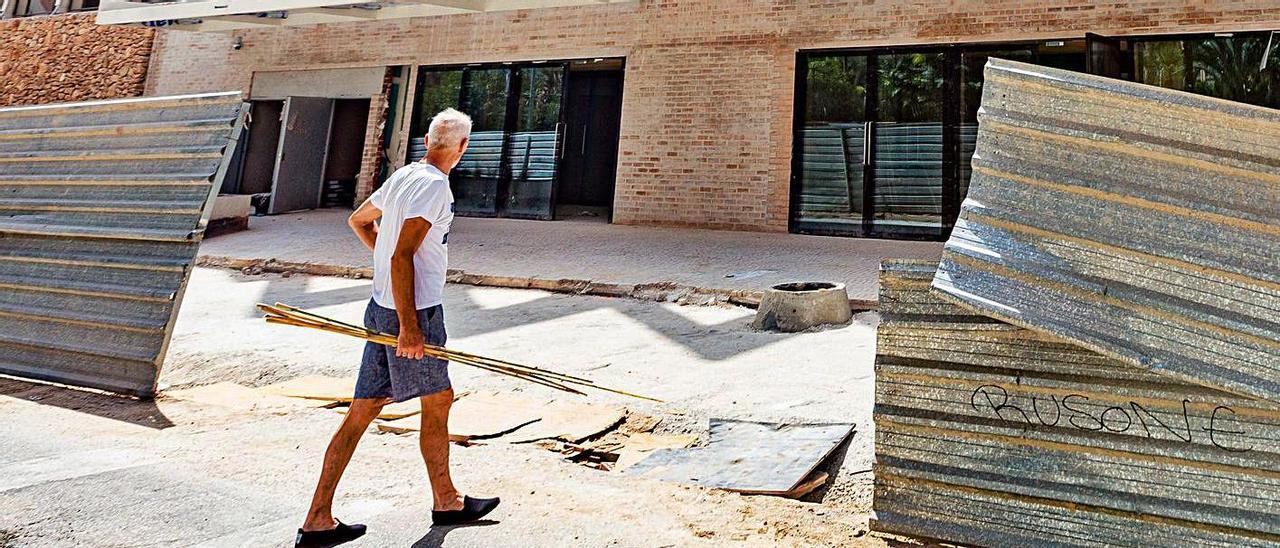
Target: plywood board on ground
748, 457
235, 396
640, 445
572, 422
478, 416
399, 410
315, 387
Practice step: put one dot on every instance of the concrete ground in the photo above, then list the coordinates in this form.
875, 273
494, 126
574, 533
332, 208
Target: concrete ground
81, 469
593, 250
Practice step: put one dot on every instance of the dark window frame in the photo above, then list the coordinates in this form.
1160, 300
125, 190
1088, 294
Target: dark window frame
954, 69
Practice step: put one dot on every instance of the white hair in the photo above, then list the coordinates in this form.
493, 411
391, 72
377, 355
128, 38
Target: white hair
448, 129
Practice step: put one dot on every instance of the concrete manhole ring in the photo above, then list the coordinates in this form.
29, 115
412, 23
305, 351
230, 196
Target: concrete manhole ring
797, 306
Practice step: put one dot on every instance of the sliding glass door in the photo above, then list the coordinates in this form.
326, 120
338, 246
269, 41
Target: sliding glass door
874, 146
511, 166
885, 138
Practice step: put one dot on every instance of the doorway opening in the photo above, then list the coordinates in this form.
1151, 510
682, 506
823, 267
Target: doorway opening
300, 153
544, 140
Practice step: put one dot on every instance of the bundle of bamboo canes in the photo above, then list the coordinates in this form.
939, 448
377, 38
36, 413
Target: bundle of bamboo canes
284, 314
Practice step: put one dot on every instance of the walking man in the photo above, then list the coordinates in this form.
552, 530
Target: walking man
410, 256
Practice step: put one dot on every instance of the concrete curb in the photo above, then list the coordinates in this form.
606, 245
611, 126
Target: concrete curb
657, 292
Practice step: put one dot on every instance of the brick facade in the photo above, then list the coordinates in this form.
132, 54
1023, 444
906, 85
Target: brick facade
708, 100
65, 58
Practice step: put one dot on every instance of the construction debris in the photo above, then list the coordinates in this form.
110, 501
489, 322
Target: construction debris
236, 396
395, 411
571, 422
511, 418
315, 387
478, 416
748, 457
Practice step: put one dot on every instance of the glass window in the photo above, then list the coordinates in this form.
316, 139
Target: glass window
437, 90
831, 145
1227, 67
532, 149
907, 165
972, 65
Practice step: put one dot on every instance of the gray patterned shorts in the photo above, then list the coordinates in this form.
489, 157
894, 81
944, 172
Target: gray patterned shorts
385, 375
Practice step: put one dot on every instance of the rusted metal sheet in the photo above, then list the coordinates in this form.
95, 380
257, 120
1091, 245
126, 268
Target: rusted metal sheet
102, 207
1138, 222
991, 434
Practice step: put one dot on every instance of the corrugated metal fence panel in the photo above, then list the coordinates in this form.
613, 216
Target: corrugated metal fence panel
1139, 222
990, 434
102, 207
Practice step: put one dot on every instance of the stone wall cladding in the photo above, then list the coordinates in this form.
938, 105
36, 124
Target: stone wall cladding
709, 91
63, 58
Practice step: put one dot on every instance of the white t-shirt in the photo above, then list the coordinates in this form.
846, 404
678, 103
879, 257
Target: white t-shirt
416, 190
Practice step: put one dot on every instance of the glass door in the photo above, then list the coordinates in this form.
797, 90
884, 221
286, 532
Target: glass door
511, 167
907, 145
534, 147
831, 154
477, 179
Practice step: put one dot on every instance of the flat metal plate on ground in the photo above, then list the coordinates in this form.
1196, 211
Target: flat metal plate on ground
748, 457
102, 207
1138, 222
994, 435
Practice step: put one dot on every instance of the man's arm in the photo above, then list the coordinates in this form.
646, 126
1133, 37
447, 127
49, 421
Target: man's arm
410, 342
363, 223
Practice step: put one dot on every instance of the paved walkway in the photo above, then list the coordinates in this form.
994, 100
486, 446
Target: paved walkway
583, 250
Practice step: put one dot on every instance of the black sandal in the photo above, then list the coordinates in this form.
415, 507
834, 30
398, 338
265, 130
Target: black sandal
343, 533
472, 510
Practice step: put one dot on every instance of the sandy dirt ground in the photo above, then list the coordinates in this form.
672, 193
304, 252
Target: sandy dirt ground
84, 469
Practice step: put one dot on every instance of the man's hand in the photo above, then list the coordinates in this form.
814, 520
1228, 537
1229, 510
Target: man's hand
410, 344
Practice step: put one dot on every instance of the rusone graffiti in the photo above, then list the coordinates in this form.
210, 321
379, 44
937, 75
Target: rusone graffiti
1218, 428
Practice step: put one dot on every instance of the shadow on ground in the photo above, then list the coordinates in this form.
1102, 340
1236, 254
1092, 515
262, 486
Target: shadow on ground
121, 408
710, 342
435, 537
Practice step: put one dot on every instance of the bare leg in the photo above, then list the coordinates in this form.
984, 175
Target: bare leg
434, 442
341, 447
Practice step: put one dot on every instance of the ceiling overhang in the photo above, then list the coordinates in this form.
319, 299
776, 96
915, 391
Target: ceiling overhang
225, 15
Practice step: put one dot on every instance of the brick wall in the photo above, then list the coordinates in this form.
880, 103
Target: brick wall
70, 58
707, 107
373, 149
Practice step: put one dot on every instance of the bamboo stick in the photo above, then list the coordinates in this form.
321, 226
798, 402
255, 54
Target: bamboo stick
284, 314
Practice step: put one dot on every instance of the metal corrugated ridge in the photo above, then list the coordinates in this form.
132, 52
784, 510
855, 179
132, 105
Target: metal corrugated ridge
48, 344
169, 265
966, 517
104, 180
1170, 262
129, 156
87, 289
921, 483
1198, 397
1028, 74
153, 208
1131, 149
1100, 296
115, 130
135, 103
99, 321
68, 231
1134, 201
